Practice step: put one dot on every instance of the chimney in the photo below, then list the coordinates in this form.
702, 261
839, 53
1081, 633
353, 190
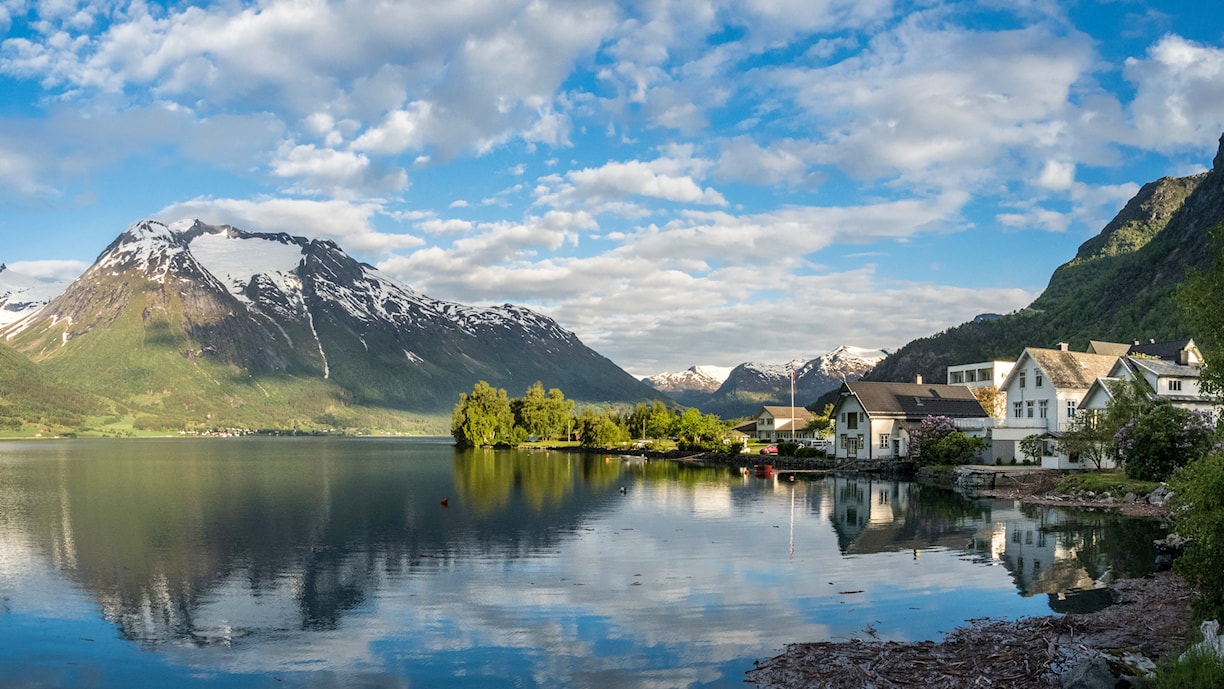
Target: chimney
918, 379
1183, 357
1062, 346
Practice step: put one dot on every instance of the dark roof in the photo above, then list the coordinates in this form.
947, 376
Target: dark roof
915, 400
1169, 351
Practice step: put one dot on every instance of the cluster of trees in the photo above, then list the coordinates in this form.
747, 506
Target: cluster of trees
489, 417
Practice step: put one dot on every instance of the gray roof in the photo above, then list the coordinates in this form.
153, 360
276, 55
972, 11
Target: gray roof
1163, 367
915, 400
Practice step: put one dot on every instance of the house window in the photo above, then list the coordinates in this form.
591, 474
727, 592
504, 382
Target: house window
1022, 378
1029, 409
1016, 407
883, 441
1037, 379
1070, 408
852, 420
843, 440
1174, 385
1042, 405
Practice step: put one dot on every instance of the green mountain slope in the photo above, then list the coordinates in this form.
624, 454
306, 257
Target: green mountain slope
30, 395
1119, 287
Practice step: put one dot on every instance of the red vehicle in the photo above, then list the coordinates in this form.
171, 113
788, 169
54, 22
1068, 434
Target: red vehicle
769, 450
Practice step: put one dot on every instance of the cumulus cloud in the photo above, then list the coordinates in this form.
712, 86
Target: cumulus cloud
1178, 100
351, 225
50, 270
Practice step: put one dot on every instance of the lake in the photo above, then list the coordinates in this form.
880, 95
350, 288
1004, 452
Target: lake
333, 562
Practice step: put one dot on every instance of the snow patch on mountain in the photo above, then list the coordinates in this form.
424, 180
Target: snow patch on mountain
235, 259
21, 295
703, 378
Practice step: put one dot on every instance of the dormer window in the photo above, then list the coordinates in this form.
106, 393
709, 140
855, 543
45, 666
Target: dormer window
1174, 386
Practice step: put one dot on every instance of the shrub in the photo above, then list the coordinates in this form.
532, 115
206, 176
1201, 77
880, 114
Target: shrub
1154, 444
937, 441
1198, 514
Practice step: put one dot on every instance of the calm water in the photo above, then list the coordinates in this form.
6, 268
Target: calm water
333, 563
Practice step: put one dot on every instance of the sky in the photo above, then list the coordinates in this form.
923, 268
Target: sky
677, 182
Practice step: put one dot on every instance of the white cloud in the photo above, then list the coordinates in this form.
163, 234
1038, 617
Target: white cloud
1057, 175
334, 173
942, 103
349, 224
53, 270
611, 187
1178, 100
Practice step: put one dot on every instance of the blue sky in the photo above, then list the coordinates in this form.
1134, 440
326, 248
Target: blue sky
678, 182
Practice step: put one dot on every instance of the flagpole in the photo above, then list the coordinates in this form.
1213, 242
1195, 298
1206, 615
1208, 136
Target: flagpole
792, 407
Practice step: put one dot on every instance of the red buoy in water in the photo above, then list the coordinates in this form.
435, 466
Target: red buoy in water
445, 502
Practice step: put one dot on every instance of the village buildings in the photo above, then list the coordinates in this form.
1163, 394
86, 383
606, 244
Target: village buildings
1042, 393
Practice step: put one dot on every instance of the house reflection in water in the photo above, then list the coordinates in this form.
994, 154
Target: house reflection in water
1046, 549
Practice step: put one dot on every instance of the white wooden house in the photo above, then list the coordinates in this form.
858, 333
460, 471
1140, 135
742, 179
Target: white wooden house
873, 419
1044, 390
783, 423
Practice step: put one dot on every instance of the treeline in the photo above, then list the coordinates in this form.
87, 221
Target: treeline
489, 417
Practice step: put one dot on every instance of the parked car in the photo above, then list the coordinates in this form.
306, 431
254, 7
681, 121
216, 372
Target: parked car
769, 450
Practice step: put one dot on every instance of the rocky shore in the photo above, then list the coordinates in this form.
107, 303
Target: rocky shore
1149, 621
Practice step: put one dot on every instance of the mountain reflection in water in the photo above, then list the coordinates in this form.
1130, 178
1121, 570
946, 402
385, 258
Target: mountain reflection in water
288, 557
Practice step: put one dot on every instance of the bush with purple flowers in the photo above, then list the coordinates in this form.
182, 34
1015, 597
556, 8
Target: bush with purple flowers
1161, 440
936, 440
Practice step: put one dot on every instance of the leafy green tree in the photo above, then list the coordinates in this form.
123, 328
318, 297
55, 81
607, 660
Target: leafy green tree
1200, 296
560, 413
1198, 514
1088, 437
1158, 442
482, 417
821, 424
531, 411
661, 422
597, 429
1030, 447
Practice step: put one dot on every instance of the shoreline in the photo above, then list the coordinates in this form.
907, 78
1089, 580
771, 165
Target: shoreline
1149, 621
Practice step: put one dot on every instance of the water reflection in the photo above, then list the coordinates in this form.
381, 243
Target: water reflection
299, 556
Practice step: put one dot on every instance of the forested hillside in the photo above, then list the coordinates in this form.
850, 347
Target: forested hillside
1119, 287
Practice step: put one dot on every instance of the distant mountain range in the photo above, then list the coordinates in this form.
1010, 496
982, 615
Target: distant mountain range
193, 324
742, 390
1119, 286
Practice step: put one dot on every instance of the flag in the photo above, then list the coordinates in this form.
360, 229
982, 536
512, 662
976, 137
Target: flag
791, 367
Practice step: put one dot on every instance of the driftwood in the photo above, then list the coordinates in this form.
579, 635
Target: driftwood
1151, 618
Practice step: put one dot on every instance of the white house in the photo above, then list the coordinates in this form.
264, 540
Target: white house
980, 375
1164, 380
783, 423
1044, 390
872, 420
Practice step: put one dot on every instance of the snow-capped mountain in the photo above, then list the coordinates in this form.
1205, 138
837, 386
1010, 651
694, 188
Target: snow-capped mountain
21, 295
749, 386
214, 305
692, 384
